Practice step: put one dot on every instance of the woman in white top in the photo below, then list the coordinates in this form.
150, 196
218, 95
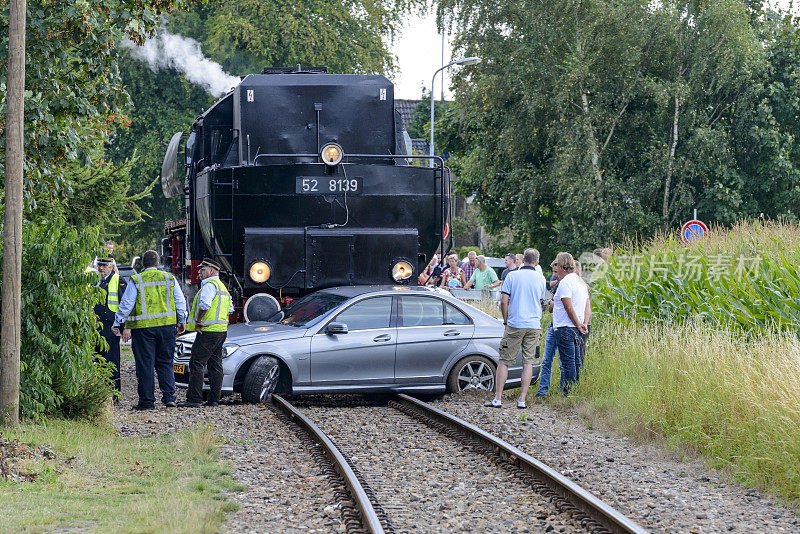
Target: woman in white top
569, 308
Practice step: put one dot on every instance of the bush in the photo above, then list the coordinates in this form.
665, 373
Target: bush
95, 388
59, 329
463, 251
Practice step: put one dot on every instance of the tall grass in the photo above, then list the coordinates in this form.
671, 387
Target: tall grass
744, 279
699, 344
734, 401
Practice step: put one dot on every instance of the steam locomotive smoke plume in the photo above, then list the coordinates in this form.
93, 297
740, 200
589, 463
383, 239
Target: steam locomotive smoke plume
170, 51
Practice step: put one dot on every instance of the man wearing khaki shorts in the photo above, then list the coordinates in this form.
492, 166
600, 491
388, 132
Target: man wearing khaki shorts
521, 306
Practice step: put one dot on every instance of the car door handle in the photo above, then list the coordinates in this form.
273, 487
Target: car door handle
452, 333
382, 337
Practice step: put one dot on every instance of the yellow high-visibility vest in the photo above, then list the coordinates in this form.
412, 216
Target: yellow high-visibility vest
216, 317
155, 300
113, 293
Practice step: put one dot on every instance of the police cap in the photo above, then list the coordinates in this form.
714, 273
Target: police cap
208, 262
104, 256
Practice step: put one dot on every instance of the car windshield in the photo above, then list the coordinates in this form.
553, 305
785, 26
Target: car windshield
307, 311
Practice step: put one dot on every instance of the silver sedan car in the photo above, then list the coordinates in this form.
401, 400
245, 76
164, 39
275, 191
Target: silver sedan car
360, 339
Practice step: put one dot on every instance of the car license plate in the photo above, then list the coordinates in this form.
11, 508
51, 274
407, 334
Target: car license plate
307, 185
180, 368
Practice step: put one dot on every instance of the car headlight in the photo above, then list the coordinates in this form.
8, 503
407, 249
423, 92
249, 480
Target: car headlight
228, 349
402, 270
259, 272
331, 154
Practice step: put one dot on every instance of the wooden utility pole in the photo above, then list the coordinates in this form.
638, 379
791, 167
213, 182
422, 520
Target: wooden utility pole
12, 226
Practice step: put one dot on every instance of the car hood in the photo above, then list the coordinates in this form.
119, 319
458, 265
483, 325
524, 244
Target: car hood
256, 332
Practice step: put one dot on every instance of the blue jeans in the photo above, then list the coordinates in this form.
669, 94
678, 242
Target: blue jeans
153, 349
580, 359
568, 342
547, 362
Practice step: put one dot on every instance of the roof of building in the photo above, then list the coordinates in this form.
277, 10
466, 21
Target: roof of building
406, 109
420, 146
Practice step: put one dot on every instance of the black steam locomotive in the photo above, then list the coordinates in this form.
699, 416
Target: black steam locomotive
299, 180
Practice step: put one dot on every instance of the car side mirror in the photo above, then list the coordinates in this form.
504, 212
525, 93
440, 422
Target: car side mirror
336, 328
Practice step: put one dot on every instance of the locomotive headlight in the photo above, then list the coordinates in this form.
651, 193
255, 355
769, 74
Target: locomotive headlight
259, 272
402, 270
331, 154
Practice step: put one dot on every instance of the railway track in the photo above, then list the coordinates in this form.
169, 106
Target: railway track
416, 468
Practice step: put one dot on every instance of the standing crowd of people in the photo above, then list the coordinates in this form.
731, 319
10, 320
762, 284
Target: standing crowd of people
523, 291
523, 298
149, 311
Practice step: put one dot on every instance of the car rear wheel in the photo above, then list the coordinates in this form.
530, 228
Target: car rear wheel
473, 372
260, 380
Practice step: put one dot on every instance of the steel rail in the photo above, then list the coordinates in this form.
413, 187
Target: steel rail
369, 517
602, 513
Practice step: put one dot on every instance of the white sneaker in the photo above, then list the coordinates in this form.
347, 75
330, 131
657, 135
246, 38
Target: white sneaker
494, 403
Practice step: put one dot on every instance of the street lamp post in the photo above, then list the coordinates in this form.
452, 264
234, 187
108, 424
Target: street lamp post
463, 61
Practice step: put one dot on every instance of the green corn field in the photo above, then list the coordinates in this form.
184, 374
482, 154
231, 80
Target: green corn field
744, 279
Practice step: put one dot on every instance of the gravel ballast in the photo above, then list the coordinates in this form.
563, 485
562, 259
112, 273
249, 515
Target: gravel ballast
428, 482
646, 483
286, 490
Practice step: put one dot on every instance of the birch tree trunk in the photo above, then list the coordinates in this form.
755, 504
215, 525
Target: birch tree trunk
670, 163
590, 135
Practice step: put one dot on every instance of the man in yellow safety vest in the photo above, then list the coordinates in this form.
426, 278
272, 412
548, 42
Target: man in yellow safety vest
209, 317
113, 287
153, 309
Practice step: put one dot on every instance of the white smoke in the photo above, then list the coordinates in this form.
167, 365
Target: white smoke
171, 51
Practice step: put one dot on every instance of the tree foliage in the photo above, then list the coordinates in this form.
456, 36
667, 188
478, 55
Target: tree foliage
74, 95
162, 103
59, 333
347, 36
592, 121
74, 101
420, 125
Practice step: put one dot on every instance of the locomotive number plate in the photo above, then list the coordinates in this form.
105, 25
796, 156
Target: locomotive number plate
320, 185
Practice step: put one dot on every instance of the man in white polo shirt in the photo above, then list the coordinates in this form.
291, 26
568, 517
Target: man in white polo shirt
569, 307
521, 306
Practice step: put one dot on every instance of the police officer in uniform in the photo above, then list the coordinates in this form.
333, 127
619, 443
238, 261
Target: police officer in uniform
112, 286
153, 309
209, 317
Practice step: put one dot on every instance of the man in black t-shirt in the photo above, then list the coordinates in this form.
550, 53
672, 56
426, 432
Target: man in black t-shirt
510, 265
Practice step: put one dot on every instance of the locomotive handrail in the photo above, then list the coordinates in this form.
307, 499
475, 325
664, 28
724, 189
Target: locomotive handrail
439, 159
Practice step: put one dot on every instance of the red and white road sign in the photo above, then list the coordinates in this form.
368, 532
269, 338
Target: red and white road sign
692, 230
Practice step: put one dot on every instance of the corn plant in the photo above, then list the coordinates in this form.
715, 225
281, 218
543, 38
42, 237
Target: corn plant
743, 279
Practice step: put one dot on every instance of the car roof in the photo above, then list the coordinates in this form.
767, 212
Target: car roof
496, 263
354, 291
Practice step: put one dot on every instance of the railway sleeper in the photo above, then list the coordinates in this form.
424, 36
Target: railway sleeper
348, 511
508, 462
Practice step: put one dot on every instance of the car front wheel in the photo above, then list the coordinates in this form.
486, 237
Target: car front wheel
473, 372
260, 380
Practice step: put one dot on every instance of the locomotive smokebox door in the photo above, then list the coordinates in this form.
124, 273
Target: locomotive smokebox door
347, 256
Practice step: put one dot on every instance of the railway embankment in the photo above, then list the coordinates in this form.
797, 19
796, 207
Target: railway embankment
287, 490
659, 485
697, 346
